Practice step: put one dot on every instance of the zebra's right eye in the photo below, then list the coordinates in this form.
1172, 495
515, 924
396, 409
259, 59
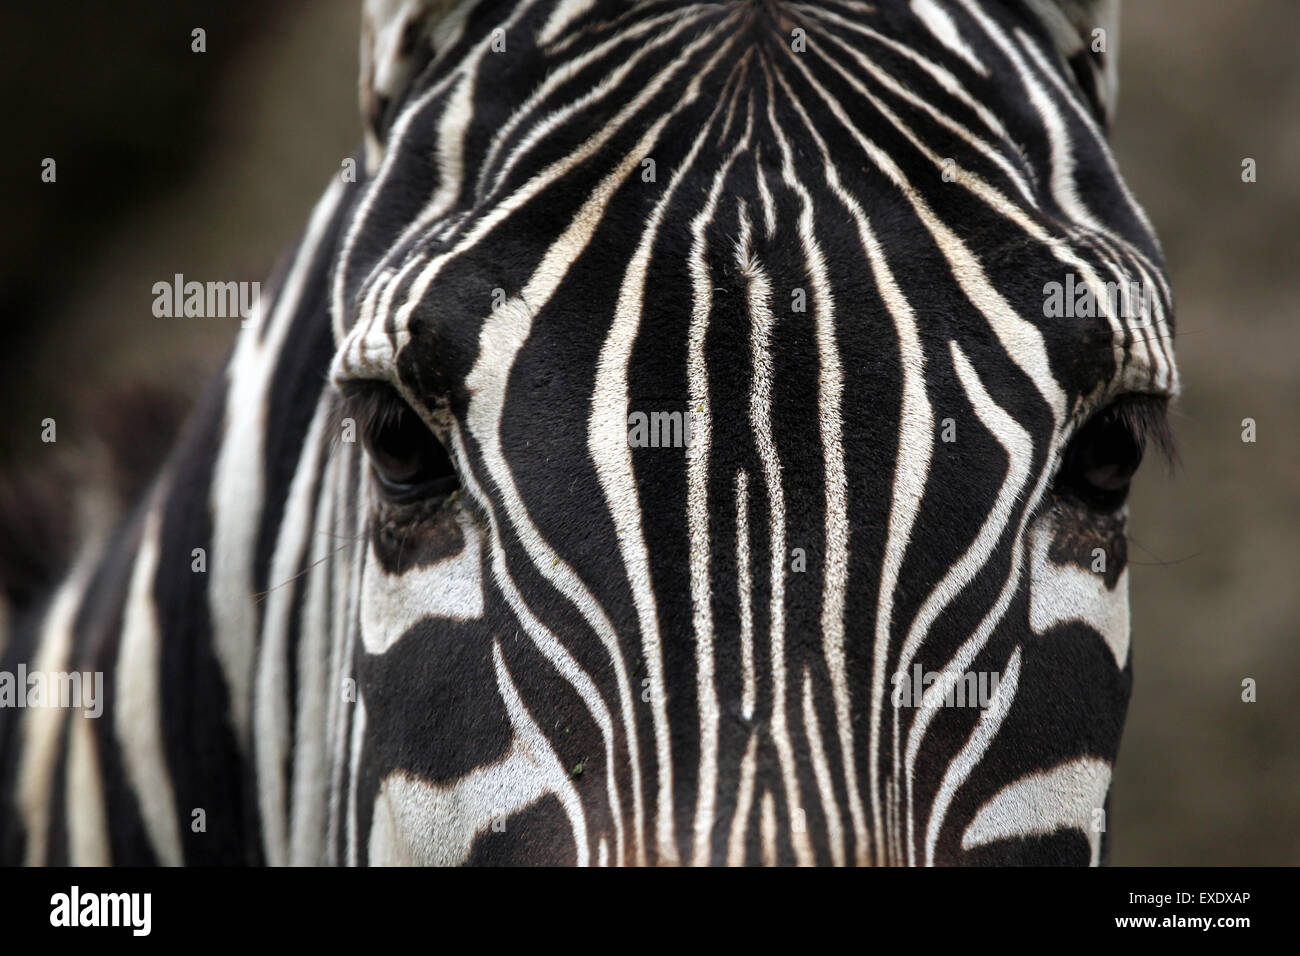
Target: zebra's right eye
408, 461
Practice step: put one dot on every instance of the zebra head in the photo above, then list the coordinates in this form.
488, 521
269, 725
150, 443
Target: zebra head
749, 394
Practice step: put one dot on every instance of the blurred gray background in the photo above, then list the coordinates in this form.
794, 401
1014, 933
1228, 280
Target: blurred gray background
208, 165
1203, 778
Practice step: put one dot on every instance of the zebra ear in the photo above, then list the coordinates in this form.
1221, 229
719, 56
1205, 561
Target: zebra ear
397, 41
1086, 32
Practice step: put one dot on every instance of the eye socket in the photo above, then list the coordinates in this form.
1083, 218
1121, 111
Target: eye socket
1102, 457
408, 461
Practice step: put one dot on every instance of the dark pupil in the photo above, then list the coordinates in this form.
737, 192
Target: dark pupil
402, 449
1110, 455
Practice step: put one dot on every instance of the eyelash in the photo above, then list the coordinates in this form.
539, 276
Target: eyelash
370, 404
1147, 418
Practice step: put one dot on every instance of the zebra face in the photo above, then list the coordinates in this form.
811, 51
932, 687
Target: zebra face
749, 396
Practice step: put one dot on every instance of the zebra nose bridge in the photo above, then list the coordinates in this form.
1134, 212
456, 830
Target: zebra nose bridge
368, 351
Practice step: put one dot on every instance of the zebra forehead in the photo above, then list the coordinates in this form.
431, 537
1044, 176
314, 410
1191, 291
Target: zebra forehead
831, 155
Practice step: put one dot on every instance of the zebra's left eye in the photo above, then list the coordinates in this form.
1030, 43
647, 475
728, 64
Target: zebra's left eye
408, 461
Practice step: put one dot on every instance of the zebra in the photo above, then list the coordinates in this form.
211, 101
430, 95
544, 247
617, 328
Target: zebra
407, 591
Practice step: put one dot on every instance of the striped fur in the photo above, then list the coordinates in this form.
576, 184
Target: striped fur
605, 654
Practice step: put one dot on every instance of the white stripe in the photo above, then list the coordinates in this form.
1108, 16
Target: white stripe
822, 772
999, 37
1019, 447
555, 651
347, 577
354, 776
744, 803
237, 492
42, 726
367, 351
1062, 594
138, 717
562, 17
426, 824
939, 23
293, 544
986, 728
450, 588
745, 597
1020, 339
697, 504
758, 298
900, 90
830, 386
539, 183
1068, 796
84, 797
449, 32
347, 589
309, 795
767, 829
765, 194
609, 86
